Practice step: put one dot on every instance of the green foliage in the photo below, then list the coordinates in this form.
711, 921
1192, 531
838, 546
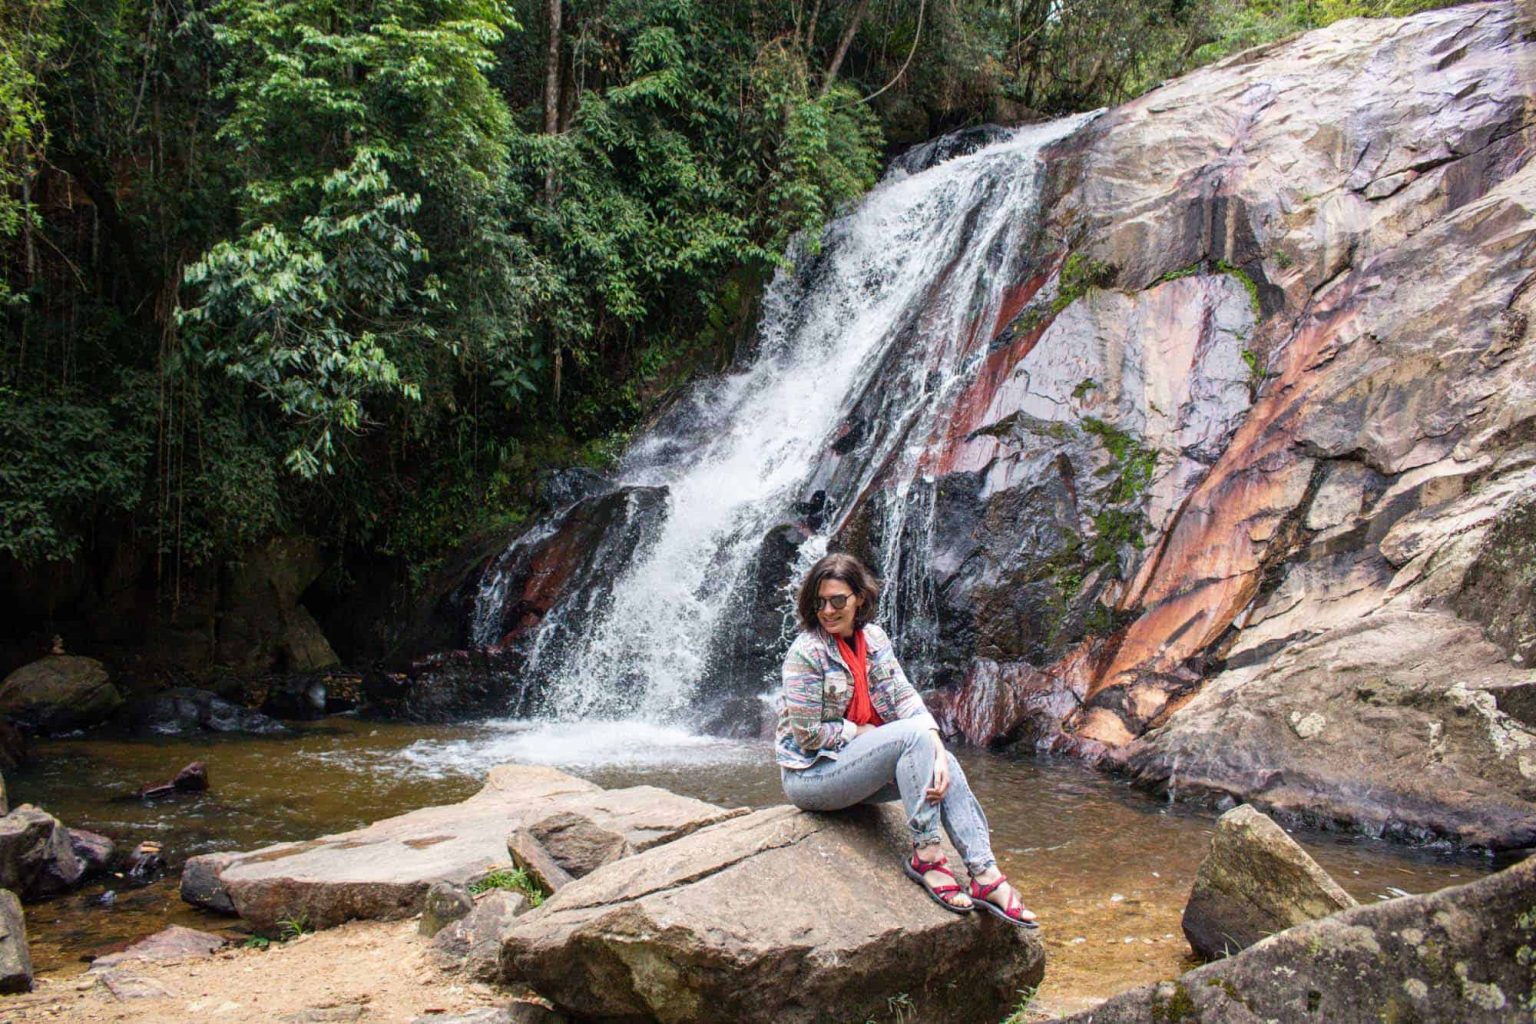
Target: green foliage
1248, 283
1256, 372
1130, 471
256, 942
289, 928
515, 879
1078, 275
1021, 1013
1084, 386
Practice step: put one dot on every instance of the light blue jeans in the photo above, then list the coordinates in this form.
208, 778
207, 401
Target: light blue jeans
894, 762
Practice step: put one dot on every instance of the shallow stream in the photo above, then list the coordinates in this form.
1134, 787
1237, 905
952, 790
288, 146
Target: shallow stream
1107, 868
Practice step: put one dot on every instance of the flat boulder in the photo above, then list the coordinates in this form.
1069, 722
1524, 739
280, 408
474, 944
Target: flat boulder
1461, 954
383, 871
37, 857
779, 915
1256, 881
172, 943
15, 959
59, 693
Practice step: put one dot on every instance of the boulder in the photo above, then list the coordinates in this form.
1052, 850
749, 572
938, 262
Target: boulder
96, 852
778, 915
173, 943
304, 647
185, 710
5, 802
577, 843
15, 959
191, 779
200, 885
261, 626
1255, 882
443, 905
384, 871
145, 863
519, 1011
472, 944
37, 858
59, 693
1461, 954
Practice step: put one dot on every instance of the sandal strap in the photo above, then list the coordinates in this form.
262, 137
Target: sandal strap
944, 890
983, 891
941, 865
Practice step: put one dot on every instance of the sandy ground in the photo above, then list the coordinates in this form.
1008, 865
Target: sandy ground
362, 971
370, 972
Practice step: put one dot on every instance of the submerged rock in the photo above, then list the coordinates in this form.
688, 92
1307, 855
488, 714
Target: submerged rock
186, 710
777, 916
37, 858
1452, 955
97, 853
59, 693
1256, 881
15, 958
383, 871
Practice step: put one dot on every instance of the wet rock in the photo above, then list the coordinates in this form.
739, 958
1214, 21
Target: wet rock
561, 487
13, 747
384, 871
36, 856
1256, 881
443, 905
145, 863
530, 857
775, 916
59, 693
191, 779
472, 944
172, 943
96, 852
1453, 955
15, 958
200, 885
300, 697
184, 711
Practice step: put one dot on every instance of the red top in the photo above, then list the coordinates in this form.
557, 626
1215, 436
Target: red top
861, 711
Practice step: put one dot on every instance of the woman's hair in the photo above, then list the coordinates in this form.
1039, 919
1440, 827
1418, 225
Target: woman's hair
850, 571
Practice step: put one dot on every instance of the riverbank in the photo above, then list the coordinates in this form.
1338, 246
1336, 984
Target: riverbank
1107, 868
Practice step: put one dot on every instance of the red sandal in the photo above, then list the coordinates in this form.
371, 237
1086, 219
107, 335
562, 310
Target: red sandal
918, 868
1013, 914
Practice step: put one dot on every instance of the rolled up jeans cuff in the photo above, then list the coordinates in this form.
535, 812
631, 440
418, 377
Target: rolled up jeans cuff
925, 838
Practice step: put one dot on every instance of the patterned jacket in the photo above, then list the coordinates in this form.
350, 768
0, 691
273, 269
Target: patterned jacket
818, 686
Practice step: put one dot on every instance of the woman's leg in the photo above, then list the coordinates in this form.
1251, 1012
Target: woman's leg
965, 822
901, 750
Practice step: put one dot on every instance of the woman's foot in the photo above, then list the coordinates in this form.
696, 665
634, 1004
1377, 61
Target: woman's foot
991, 889
930, 869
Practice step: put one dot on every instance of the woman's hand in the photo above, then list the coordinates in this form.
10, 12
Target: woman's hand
940, 786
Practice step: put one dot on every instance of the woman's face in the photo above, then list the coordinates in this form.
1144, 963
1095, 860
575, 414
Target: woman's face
838, 622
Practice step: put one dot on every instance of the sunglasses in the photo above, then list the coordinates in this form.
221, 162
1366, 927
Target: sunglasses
838, 602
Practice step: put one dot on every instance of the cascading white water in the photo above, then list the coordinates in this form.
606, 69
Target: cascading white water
925, 256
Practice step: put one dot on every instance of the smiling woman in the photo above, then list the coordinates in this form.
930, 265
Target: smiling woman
853, 730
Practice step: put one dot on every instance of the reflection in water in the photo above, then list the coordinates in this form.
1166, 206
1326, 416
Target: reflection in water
1106, 868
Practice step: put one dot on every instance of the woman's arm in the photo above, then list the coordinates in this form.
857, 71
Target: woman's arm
802, 706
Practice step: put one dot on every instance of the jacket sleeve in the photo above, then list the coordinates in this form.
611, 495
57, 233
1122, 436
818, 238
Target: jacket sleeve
909, 703
802, 706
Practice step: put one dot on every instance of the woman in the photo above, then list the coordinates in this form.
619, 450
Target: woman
853, 731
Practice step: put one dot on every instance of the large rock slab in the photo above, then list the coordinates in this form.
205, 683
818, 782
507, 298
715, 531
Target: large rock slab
173, 943
1461, 954
777, 916
15, 958
384, 871
59, 693
37, 858
1256, 881
1385, 725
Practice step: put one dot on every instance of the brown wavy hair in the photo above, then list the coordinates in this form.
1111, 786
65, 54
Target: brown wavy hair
846, 569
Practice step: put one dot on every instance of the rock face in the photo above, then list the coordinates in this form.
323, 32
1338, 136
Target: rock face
1255, 882
59, 693
384, 871
37, 858
15, 958
1462, 954
776, 916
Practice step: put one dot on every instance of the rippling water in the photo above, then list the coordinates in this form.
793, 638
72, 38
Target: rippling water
1107, 869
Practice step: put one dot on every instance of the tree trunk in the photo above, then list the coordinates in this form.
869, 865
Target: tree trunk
552, 72
842, 46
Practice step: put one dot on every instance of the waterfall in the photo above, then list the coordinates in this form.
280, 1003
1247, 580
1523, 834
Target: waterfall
885, 316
